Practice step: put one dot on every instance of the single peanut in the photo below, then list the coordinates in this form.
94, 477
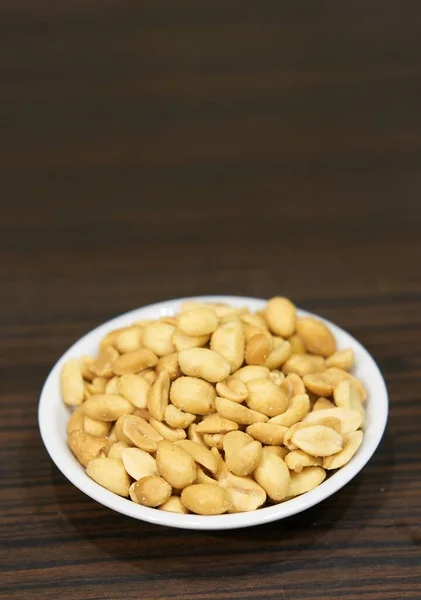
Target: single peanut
158, 396
168, 433
297, 344
133, 362
296, 460
86, 447
244, 494
199, 454
175, 465
258, 348
280, 315
303, 364
129, 339
170, 364
152, 491
322, 403
266, 397
205, 499
342, 359
96, 428
138, 463
318, 440
273, 476
110, 474
157, 337
103, 365
297, 409
177, 418
279, 354
198, 321
267, 433
182, 341
316, 336
214, 440
204, 363
242, 453
228, 341
216, 424
306, 480
350, 419
351, 444
251, 372
238, 413
72, 388
193, 395
107, 407
233, 389
134, 388
174, 505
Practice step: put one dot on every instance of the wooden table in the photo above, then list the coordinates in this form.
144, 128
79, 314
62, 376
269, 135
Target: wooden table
161, 149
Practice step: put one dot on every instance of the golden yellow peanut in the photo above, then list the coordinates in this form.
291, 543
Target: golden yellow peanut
138, 463
174, 505
335, 375
116, 449
216, 424
132, 493
96, 428
86, 363
258, 348
276, 376
351, 444
168, 433
177, 418
296, 460
267, 433
254, 320
182, 341
86, 447
319, 384
214, 440
152, 491
112, 385
228, 341
242, 453
158, 396
202, 477
303, 364
141, 412
278, 450
318, 440
246, 374
76, 420
298, 407
306, 480
238, 413
297, 344
266, 397
342, 359
250, 331
97, 386
293, 385
205, 499
280, 316
199, 454
222, 467
134, 388
107, 407
133, 362
316, 336
346, 395
170, 364
72, 387
175, 465
129, 339
112, 436
194, 435
244, 494
157, 337
204, 363
103, 365
193, 395
149, 375
322, 403
110, 474
280, 353
198, 321
136, 431
110, 338
170, 320
273, 475
288, 435
350, 419
232, 388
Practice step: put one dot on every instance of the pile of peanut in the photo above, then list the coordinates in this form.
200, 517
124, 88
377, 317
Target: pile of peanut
215, 409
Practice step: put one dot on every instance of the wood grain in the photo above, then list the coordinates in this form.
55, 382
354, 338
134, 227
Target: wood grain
158, 149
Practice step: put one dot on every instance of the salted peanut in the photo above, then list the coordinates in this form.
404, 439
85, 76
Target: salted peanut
177, 418
138, 463
232, 388
199, 454
222, 469
280, 353
198, 321
110, 338
318, 440
296, 460
170, 320
132, 493
157, 337
168, 433
143, 322
133, 362
244, 494
288, 435
110, 474
204, 363
266, 397
308, 479
142, 412
335, 375
303, 364
72, 386
316, 336
202, 477
228, 341
152, 491
112, 386
250, 331
149, 375
332, 422
350, 418
138, 432
76, 420
224, 310
278, 450
174, 505
351, 444
86, 363
103, 365
319, 384
267, 433
342, 359
297, 409
214, 440
193, 395
205, 499
107, 407
194, 435
293, 385
134, 388
170, 364
242, 453
86, 447
181, 341
175, 465
346, 395
216, 424
322, 404
273, 475
251, 372
238, 413
96, 428
112, 436
254, 320
116, 450
129, 339
158, 396
297, 344
280, 316
258, 348
97, 386
276, 376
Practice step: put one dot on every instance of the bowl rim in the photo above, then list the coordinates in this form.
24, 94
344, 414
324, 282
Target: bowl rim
70, 468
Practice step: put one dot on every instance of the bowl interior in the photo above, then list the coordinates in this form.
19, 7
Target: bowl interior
53, 416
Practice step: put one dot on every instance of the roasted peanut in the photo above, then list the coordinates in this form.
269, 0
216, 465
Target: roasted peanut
296, 460
319, 384
316, 336
318, 440
205, 499
138, 432
194, 435
112, 386
216, 424
116, 449
214, 440
138, 463
86, 447
352, 442
244, 494
103, 365
168, 433
266, 397
96, 428
306, 480
276, 376
86, 363
258, 348
233, 389
133, 362
350, 418
297, 409
293, 385
72, 387
175, 465
242, 453
251, 372
170, 364
322, 403
110, 474
158, 396
182, 341
149, 375
238, 413
278, 450
335, 375
107, 407
199, 454
198, 321
228, 341
110, 338
280, 316
134, 388
346, 395
297, 344
303, 364
129, 339
280, 353
152, 491
76, 420
177, 418
193, 395
342, 359
158, 338
273, 476
204, 363
267, 433
174, 505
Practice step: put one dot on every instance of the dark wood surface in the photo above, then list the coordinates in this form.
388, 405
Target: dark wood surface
160, 149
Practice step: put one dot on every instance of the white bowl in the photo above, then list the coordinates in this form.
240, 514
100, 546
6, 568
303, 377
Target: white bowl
53, 416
